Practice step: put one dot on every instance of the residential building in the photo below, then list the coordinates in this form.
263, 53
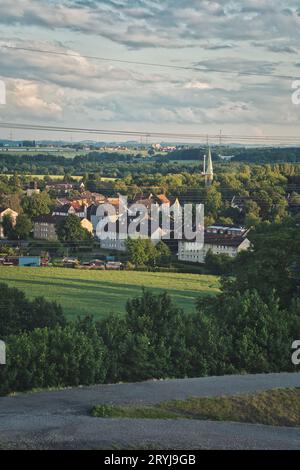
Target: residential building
64, 210
32, 189
45, 226
217, 239
85, 223
116, 239
60, 188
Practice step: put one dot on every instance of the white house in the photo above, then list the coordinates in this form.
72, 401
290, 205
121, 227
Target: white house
217, 239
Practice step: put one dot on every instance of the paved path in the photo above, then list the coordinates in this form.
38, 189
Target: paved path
59, 419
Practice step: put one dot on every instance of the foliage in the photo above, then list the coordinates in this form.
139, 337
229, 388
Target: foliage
8, 226
57, 357
144, 252
70, 230
218, 264
19, 314
272, 264
37, 204
22, 228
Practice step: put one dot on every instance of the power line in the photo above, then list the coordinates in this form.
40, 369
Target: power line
152, 64
179, 136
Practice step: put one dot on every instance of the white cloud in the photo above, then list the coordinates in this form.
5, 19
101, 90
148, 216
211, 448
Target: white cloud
197, 85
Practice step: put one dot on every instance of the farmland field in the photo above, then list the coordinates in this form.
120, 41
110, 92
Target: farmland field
57, 177
101, 292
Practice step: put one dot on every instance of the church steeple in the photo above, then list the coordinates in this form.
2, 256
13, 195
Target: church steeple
209, 172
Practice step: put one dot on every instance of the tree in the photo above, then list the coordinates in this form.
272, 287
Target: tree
70, 230
163, 252
53, 357
219, 264
156, 340
23, 227
272, 263
225, 221
250, 333
213, 200
140, 251
252, 220
8, 226
143, 252
18, 314
37, 204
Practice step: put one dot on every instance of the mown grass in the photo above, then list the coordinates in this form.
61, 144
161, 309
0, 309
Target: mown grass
100, 293
280, 407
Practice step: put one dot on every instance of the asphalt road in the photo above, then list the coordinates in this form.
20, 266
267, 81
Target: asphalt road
60, 420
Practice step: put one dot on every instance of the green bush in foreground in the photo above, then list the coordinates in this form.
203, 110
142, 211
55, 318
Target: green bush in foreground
62, 356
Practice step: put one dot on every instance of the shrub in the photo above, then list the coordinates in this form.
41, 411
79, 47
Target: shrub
58, 357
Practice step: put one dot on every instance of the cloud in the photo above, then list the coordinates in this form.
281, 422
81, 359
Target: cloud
283, 49
33, 100
220, 34
151, 23
197, 85
217, 47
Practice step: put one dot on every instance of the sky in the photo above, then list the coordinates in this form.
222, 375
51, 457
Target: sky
252, 36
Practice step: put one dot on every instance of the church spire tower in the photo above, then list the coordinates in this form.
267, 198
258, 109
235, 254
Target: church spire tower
209, 173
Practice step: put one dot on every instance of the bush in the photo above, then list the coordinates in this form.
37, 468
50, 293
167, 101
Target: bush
18, 314
58, 357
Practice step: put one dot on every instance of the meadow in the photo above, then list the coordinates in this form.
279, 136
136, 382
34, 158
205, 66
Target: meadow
100, 293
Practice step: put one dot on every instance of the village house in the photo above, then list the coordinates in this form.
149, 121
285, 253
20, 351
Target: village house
71, 208
219, 240
112, 237
45, 226
7, 211
60, 188
116, 239
64, 210
32, 189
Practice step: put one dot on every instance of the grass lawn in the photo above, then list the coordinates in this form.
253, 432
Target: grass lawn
279, 407
101, 292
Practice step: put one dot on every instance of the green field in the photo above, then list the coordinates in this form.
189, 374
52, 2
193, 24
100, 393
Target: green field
57, 177
101, 292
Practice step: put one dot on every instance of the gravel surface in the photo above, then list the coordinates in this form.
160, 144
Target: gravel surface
59, 419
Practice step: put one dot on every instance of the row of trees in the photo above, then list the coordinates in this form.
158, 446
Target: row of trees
155, 339
142, 252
